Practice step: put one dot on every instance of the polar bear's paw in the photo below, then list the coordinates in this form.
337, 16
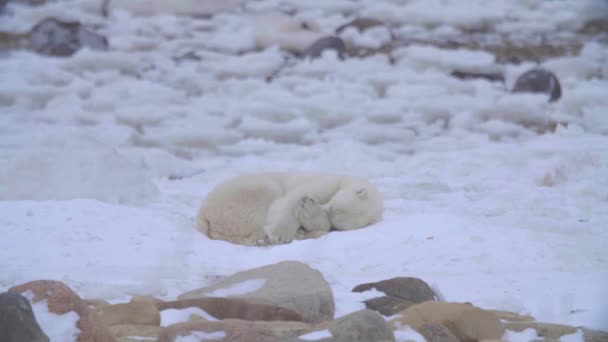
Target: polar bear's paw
278, 234
311, 215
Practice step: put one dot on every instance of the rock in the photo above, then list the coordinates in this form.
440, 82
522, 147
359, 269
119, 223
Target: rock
237, 331
53, 37
435, 332
140, 313
288, 284
594, 335
387, 305
60, 300
489, 76
325, 43
466, 321
17, 320
361, 24
401, 292
546, 330
407, 288
511, 316
539, 81
123, 331
196, 8
288, 33
236, 308
364, 325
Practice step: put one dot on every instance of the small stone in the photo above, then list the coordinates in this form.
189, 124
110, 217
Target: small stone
53, 37
539, 81
326, 43
435, 332
364, 325
17, 320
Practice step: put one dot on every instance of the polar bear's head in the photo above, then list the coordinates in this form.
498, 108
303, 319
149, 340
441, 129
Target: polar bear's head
355, 206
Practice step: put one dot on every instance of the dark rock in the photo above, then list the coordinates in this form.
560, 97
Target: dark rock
388, 305
436, 332
326, 43
17, 320
53, 37
539, 81
364, 325
408, 288
361, 24
490, 76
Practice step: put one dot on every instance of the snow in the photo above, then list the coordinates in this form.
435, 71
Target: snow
498, 199
315, 335
239, 289
174, 316
56, 327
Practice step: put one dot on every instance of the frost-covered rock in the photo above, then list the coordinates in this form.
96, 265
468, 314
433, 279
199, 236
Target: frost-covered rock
55, 37
288, 284
83, 168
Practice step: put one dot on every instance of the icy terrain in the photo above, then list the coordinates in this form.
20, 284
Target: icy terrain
500, 200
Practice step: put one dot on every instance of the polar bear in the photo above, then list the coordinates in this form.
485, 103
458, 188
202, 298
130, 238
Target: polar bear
271, 208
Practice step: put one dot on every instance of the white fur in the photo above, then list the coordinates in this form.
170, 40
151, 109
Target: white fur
277, 207
286, 32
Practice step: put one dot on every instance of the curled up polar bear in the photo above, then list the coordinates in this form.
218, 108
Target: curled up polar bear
270, 208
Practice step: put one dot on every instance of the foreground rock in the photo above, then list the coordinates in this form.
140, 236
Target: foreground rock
235, 308
466, 321
236, 331
539, 81
364, 325
53, 37
401, 292
289, 284
61, 300
17, 320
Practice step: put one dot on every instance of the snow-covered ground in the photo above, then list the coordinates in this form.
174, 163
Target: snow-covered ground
106, 156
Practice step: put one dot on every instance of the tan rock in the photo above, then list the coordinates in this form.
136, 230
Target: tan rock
464, 320
236, 308
595, 335
238, 330
61, 299
512, 316
138, 312
126, 331
546, 330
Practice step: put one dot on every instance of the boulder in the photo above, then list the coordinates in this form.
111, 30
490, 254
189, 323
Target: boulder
133, 331
387, 305
539, 81
364, 325
236, 308
236, 331
408, 288
546, 330
60, 300
289, 284
139, 313
466, 321
436, 332
401, 292
326, 43
54, 37
17, 320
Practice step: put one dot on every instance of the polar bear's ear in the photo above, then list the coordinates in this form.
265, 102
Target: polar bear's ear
361, 193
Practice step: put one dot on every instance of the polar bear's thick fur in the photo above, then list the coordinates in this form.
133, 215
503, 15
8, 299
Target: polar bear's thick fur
263, 208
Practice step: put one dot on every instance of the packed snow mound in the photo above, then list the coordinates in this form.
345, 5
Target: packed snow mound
53, 169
